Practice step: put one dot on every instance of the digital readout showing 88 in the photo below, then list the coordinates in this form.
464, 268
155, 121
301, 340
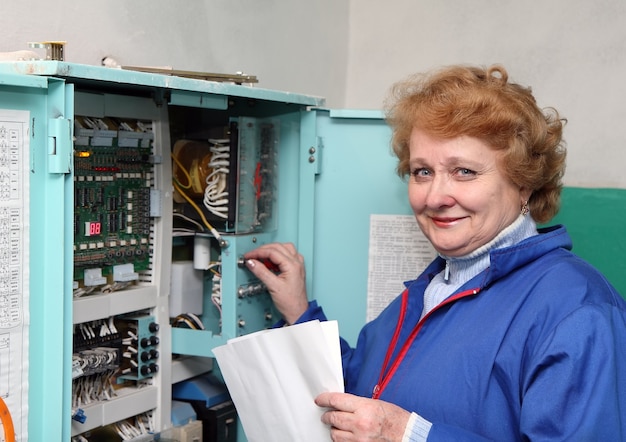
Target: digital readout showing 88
93, 228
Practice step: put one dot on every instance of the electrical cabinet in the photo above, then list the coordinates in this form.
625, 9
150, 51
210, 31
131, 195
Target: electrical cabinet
128, 200
144, 192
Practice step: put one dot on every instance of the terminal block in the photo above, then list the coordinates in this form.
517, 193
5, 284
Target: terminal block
140, 347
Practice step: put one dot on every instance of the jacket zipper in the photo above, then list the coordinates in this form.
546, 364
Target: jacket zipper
385, 376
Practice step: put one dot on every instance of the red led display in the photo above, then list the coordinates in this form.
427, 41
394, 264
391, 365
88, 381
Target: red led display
93, 228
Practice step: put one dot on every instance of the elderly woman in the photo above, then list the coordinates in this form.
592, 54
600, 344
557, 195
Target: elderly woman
506, 335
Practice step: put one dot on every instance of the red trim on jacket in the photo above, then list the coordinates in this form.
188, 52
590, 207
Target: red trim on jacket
386, 375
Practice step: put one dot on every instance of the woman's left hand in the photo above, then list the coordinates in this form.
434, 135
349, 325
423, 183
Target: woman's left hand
355, 418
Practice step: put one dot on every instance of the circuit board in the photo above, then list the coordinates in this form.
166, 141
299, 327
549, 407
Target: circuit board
112, 182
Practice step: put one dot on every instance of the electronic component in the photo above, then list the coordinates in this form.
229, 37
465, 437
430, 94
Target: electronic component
258, 175
230, 182
113, 180
186, 292
140, 346
201, 252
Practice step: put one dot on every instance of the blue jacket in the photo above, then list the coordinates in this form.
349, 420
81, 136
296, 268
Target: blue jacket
532, 348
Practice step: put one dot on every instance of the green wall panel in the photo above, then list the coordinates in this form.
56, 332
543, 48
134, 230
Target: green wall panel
595, 219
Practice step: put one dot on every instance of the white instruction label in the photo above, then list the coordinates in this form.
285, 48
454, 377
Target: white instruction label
398, 252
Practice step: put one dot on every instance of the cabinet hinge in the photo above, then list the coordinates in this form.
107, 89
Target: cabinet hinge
315, 155
59, 145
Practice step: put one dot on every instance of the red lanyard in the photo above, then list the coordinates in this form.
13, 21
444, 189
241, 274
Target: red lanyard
385, 376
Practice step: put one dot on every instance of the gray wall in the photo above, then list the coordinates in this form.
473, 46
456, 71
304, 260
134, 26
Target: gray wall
296, 46
572, 52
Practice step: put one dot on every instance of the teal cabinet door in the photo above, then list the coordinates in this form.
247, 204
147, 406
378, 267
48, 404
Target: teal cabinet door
356, 179
35, 206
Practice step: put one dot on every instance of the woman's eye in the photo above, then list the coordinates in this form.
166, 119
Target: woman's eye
465, 172
420, 172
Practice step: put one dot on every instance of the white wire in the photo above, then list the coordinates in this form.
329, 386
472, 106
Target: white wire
186, 218
215, 194
216, 293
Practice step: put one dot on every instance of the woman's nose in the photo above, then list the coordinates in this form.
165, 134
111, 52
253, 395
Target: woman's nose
440, 194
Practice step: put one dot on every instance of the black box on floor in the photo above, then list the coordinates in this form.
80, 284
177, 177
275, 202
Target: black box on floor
210, 400
219, 422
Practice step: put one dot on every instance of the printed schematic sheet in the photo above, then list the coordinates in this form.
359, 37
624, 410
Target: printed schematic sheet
14, 266
398, 252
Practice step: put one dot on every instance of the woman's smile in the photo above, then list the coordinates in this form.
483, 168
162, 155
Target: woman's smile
445, 221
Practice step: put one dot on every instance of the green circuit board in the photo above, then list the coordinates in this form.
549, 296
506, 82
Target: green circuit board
113, 176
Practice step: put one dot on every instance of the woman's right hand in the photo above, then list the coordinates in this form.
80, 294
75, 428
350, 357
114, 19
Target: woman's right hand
286, 285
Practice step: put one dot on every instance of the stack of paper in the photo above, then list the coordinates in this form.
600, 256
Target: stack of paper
273, 377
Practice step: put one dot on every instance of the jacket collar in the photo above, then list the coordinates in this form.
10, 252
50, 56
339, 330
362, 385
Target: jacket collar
507, 259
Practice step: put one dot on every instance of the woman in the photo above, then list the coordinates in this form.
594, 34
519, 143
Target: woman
506, 335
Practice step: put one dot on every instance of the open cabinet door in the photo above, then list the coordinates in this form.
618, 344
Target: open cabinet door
35, 207
366, 239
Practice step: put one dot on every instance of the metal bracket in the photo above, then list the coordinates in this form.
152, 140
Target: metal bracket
55, 50
238, 78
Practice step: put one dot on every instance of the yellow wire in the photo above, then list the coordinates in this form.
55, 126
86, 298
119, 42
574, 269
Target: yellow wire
195, 206
180, 165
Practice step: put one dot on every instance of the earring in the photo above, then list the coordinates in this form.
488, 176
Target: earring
525, 208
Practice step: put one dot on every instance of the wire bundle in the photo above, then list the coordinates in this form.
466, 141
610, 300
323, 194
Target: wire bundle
130, 429
215, 192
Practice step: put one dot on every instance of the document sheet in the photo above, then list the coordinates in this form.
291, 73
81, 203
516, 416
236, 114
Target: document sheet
273, 377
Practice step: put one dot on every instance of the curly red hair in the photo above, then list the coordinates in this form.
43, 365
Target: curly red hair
482, 103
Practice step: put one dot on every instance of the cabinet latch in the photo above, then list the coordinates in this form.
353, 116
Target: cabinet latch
59, 145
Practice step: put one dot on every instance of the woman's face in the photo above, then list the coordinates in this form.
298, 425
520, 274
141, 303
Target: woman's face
460, 198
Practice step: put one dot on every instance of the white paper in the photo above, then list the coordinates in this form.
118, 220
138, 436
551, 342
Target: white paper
14, 266
398, 252
273, 377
